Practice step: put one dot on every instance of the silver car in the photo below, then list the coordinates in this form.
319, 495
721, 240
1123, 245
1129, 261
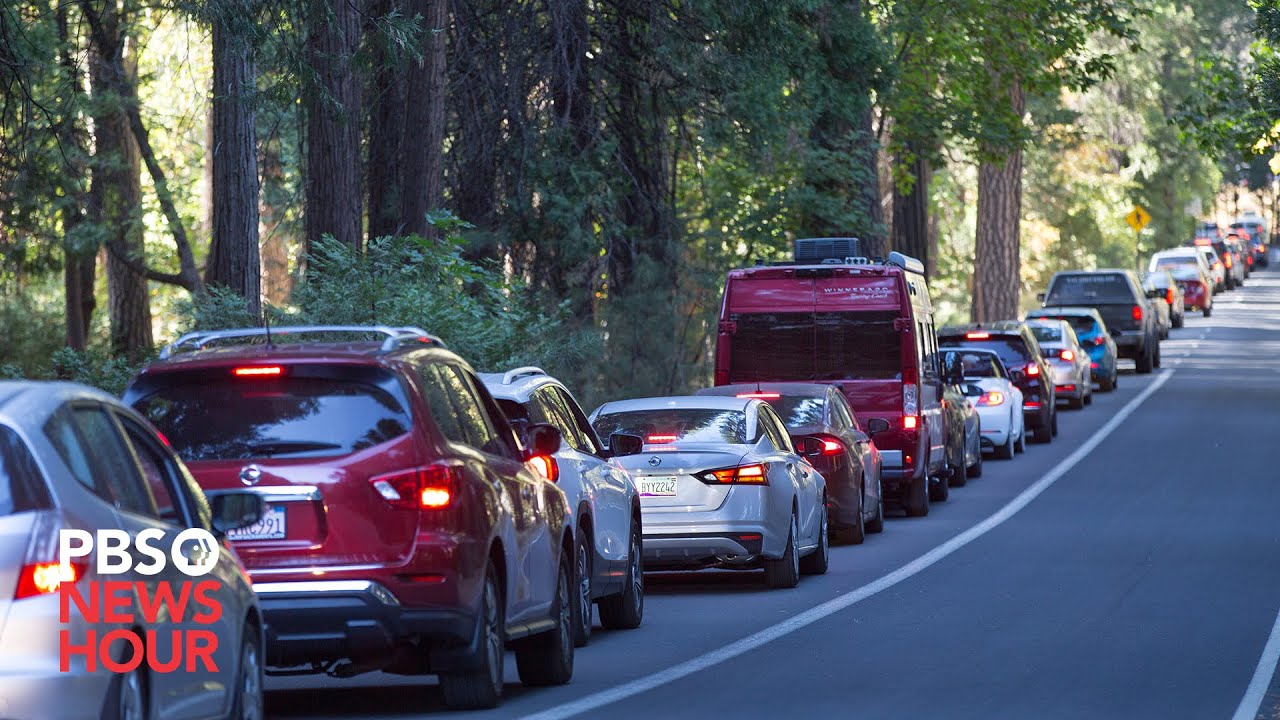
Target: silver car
74, 458
720, 485
1072, 368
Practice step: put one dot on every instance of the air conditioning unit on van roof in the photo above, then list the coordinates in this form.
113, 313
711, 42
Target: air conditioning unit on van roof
826, 250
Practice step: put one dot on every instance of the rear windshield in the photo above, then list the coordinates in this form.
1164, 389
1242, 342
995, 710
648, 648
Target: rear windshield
1088, 289
670, 425
1157, 281
815, 346
799, 411
22, 485
1186, 272
1011, 349
233, 418
1175, 261
1046, 333
1082, 324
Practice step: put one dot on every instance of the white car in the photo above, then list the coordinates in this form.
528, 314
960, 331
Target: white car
606, 507
1000, 404
1216, 269
1201, 257
720, 485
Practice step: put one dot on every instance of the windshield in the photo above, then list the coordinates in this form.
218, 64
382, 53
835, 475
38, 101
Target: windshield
972, 364
1086, 289
815, 346
666, 425
1011, 349
1046, 333
225, 419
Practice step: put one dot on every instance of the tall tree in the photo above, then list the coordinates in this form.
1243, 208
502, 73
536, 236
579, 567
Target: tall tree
233, 254
80, 265
423, 147
385, 98
333, 178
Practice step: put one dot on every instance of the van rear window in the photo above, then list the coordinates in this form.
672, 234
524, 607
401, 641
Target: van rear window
815, 346
1087, 289
22, 485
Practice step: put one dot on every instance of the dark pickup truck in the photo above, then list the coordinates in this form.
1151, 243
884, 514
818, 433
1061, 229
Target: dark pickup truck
1118, 296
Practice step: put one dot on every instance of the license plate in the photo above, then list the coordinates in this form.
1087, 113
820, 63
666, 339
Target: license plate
270, 527
657, 487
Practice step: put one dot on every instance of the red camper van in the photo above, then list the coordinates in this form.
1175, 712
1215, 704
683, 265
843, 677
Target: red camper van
864, 326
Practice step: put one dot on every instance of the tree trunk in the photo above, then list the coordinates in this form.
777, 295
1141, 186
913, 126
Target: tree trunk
117, 189
386, 99
79, 264
333, 188
424, 137
911, 212
997, 240
277, 239
233, 255
866, 155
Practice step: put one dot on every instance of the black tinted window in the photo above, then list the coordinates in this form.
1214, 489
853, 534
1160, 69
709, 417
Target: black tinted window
1089, 288
442, 407
1046, 333
1011, 349
1082, 324
22, 485
213, 418
158, 469
972, 364
815, 346
90, 444
670, 425
799, 411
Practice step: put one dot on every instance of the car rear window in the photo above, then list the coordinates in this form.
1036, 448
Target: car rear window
1169, 262
1158, 280
226, 418
1186, 272
1086, 289
1011, 348
815, 346
1082, 324
799, 411
1046, 333
671, 425
22, 485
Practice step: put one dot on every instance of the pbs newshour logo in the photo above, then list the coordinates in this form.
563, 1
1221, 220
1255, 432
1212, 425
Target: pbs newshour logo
164, 605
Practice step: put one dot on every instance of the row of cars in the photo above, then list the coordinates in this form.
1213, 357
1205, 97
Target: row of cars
381, 506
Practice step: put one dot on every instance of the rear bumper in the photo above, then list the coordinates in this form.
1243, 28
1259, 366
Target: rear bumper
741, 546
359, 620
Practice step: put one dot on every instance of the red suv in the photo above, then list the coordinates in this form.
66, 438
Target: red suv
866, 327
405, 530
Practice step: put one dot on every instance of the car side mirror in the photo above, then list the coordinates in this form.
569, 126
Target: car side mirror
1040, 297
1155, 294
544, 439
972, 391
876, 426
1017, 376
809, 446
621, 444
236, 510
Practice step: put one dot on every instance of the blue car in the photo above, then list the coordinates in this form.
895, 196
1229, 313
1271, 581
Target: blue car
1093, 335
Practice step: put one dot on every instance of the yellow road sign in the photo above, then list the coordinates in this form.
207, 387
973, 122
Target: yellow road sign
1138, 218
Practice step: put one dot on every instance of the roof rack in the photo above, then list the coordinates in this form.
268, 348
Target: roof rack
395, 335
510, 376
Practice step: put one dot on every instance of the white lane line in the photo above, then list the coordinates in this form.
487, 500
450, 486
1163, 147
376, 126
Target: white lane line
841, 602
1251, 703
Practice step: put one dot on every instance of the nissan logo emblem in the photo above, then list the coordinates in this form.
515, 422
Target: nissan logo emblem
655, 461
250, 474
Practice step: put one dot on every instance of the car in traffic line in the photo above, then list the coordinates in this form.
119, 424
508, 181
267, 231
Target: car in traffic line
606, 509
1000, 404
1068, 362
1191, 272
74, 458
864, 326
819, 420
407, 529
721, 485
1018, 349
1118, 297
1092, 334
1168, 292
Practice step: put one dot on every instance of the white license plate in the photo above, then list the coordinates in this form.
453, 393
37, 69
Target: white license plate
657, 487
270, 527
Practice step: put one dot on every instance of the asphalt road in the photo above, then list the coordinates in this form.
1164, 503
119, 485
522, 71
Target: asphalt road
1128, 570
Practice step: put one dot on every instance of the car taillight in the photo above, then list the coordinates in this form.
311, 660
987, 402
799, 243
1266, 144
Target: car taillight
831, 446
910, 398
546, 466
258, 371
743, 475
1137, 312
1100, 340
761, 395
910, 422
1033, 369
1226, 261
45, 578
1067, 355
423, 488
977, 336
1031, 405
1168, 296
991, 398
661, 439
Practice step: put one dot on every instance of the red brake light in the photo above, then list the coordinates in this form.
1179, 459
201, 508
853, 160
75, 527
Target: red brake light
977, 335
546, 466
1168, 296
45, 578
1137, 312
1033, 369
761, 396
260, 371
1031, 405
1226, 260
1100, 340
1067, 355
424, 488
744, 475
991, 398
832, 447
661, 439
910, 422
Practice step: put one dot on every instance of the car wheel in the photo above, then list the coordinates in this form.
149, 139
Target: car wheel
876, 524
1156, 361
249, 694
959, 476
940, 490
1021, 447
1006, 451
582, 591
1076, 403
127, 699
1179, 321
1088, 393
917, 501
482, 687
625, 610
785, 571
547, 658
1145, 362
975, 470
817, 562
1053, 423
1208, 311
856, 534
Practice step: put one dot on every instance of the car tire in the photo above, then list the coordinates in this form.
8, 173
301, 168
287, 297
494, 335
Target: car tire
941, 490
249, 682
625, 611
1006, 451
582, 607
547, 658
1021, 447
785, 571
127, 696
876, 524
917, 501
1179, 321
1208, 311
1088, 393
975, 470
857, 533
1076, 403
1053, 423
817, 562
1156, 360
482, 688
1144, 363
1107, 384
960, 476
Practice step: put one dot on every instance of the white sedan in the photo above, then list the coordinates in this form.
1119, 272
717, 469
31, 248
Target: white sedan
999, 405
720, 485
